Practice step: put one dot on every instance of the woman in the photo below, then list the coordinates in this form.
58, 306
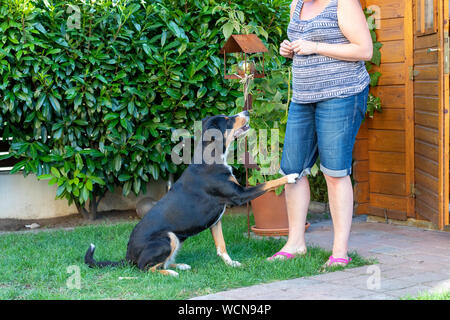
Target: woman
329, 41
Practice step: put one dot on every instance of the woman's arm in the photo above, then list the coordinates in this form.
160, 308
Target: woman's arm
353, 25
285, 47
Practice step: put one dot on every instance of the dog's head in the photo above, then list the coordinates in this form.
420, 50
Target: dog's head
227, 127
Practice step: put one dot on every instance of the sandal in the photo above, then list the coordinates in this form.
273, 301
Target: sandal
336, 262
286, 255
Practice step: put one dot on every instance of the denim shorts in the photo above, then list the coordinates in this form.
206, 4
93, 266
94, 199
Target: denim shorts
326, 129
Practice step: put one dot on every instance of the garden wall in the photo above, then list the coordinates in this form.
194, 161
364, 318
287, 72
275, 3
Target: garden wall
29, 198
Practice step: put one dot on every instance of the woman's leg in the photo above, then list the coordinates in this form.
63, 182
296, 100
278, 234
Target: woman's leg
337, 122
340, 197
297, 202
299, 155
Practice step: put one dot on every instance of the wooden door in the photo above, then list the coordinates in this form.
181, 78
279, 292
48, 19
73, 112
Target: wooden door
431, 100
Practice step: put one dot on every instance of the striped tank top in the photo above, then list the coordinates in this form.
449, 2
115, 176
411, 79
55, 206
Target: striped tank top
316, 77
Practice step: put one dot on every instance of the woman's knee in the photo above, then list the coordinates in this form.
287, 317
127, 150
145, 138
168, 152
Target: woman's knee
299, 189
332, 181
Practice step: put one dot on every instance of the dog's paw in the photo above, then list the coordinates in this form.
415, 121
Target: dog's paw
171, 273
233, 263
182, 266
228, 261
292, 178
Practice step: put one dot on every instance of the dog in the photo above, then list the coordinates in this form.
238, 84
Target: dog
196, 202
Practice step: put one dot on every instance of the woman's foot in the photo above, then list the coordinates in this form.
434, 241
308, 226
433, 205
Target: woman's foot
336, 262
288, 253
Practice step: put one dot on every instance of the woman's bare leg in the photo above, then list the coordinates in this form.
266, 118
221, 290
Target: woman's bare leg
297, 201
340, 197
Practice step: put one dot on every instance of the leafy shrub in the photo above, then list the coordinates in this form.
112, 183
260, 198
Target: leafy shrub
373, 102
90, 90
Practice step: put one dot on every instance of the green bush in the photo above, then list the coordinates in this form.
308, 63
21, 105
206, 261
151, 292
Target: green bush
90, 90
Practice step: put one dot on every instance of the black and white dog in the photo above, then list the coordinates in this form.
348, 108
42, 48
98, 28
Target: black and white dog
196, 202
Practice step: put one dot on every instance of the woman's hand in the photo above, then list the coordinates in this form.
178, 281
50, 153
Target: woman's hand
304, 47
286, 49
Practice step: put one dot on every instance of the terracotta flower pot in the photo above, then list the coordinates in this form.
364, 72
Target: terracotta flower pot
270, 214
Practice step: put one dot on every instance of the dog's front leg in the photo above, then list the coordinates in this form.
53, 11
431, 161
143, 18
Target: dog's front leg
216, 231
245, 194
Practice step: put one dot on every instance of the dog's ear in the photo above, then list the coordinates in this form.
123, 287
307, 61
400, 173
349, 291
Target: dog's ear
204, 120
214, 122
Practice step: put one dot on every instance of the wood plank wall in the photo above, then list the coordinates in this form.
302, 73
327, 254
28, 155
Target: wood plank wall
426, 119
380, 151
361, 165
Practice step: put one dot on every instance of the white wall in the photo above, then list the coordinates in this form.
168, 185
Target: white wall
29, 198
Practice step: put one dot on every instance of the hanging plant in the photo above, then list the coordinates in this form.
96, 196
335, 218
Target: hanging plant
373, 102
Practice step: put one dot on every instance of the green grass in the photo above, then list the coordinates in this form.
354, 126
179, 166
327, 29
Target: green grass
430, 296
34, 265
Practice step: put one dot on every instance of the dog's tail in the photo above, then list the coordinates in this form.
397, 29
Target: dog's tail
91, 262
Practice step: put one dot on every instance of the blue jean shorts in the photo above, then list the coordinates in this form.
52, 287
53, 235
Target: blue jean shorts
325, 129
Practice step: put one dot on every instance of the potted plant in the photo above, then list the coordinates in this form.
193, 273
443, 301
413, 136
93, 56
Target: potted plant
268, 122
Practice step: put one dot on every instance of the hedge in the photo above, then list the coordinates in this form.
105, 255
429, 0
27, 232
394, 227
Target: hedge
90, 91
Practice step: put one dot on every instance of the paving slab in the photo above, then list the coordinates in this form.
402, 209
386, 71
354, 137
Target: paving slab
426, 276
412, 292
410, 262
440, 286
377, 296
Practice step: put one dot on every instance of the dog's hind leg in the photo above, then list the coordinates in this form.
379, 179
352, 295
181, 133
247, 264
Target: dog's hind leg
180, 266
175, 245
159, 254
166, 272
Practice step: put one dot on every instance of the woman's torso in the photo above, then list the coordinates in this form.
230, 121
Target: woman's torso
317, 77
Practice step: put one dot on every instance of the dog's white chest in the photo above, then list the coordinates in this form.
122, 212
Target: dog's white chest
220, 216
224, 161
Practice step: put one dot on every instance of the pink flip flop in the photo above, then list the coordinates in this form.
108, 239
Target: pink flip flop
332, 260
282, 253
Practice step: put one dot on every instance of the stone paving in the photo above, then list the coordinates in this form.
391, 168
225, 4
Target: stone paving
410, 261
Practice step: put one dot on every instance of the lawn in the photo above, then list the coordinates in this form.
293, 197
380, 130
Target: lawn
35, 265
431, 296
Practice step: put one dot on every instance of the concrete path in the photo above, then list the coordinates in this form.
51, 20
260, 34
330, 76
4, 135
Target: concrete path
410, 261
